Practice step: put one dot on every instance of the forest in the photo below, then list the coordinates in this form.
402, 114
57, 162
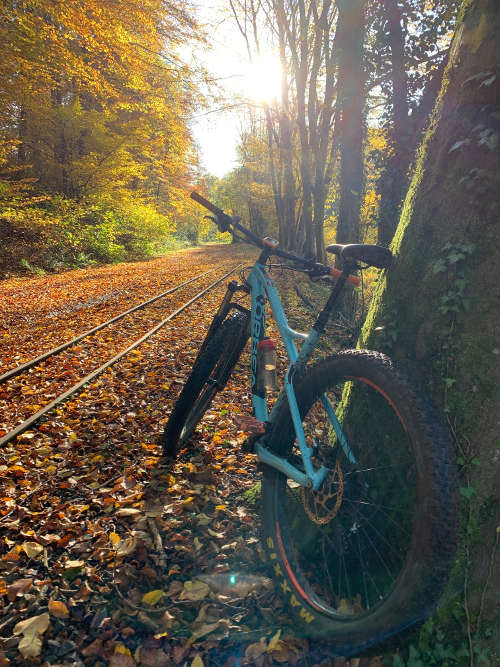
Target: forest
383, 128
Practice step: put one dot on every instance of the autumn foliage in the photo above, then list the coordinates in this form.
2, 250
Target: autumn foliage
95, 148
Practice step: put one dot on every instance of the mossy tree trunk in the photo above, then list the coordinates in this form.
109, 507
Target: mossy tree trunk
436, 310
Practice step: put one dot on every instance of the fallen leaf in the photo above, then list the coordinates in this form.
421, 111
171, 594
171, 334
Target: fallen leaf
114, 538
32, 549
180, 653
204, 629
194, 590
58, 609
127, 511
168, 620
153, 597
30, 646
121, 657
73, 568
31, 629
197, 662
152, 657
126, 547
254, 651
93, 649
18, 587
274, 642
235, 583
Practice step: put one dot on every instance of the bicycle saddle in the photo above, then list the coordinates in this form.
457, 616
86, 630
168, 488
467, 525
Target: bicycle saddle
374, 255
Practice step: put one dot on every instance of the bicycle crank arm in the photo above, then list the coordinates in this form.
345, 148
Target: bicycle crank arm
313, 481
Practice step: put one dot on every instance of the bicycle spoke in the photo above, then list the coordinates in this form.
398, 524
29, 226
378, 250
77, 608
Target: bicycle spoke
377, 505
376, 468
386, 567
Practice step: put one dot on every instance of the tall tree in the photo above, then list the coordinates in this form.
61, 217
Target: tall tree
93, 92
351, 84
394, 179
436, 309
408, 41
303, 35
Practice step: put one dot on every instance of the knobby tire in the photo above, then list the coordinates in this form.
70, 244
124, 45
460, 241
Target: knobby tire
210, 373
381, 557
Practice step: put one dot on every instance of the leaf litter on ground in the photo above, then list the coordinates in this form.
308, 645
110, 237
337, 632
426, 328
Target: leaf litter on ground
108, 558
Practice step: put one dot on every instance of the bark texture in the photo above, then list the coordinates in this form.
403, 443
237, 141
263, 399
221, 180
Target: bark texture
436, 310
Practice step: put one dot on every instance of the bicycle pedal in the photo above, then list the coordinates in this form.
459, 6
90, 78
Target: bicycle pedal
249, 424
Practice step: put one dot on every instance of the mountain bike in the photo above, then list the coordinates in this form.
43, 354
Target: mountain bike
359, 489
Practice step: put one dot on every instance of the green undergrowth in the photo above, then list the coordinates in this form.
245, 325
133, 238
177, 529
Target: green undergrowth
54, 233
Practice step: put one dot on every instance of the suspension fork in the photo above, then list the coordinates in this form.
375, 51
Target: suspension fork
225, 306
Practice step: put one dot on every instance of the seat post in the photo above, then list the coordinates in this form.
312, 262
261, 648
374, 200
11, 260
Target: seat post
320, 324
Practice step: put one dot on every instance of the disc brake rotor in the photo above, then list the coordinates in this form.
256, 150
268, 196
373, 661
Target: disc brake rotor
322, 506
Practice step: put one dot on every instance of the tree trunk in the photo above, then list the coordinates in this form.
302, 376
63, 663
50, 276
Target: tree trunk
394, 180
351, 102
436, 309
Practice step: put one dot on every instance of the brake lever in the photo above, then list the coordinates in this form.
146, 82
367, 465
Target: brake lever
318, 272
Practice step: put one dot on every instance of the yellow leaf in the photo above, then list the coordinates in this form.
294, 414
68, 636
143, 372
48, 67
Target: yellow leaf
153, 597
32, 549
51, 469
79, 508
274, 641
197, 662
220, 507
120, 648
58, 609
114, 538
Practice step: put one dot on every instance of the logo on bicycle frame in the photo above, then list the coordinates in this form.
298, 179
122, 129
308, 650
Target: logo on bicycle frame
259, 326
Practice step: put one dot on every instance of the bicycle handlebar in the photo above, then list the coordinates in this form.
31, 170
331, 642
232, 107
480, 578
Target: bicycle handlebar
224, 222
207, 204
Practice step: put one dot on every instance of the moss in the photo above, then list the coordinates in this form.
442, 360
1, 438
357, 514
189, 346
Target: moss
454, 199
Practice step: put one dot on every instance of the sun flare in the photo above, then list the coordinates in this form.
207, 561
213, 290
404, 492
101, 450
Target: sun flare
262, 79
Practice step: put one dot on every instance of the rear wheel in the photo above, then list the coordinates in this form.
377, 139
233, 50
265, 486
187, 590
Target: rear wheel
210, 373
369, 553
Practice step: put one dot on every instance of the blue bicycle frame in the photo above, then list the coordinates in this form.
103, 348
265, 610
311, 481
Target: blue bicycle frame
262, 290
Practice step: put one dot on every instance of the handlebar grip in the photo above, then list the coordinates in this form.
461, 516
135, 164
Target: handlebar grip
354, 280
207, 204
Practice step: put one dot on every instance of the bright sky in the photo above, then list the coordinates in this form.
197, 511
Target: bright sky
217, 133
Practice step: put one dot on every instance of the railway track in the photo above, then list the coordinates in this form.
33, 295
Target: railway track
63, 396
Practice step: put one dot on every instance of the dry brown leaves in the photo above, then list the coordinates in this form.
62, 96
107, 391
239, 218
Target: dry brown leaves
106, 558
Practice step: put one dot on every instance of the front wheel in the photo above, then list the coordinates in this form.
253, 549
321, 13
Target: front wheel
210, 373
369, 553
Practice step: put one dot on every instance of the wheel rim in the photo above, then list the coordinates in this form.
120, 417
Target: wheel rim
346, 546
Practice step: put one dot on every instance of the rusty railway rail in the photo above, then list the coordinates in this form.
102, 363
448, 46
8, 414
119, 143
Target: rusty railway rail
33, 419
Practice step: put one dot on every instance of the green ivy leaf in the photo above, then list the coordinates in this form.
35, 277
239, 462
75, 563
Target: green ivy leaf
439, 266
